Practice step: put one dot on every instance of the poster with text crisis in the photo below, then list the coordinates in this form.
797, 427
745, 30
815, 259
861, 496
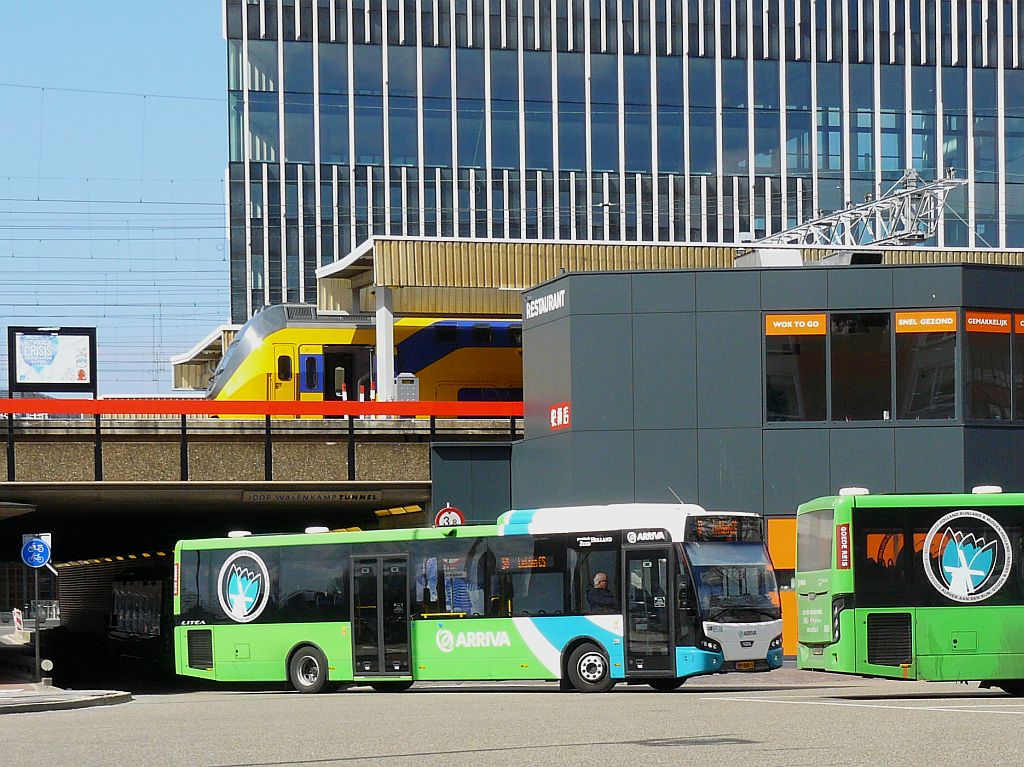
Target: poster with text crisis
49, 358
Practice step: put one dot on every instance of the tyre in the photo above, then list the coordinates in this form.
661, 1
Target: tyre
391, 686
1014, 687
588, 669
666, 685
307, 670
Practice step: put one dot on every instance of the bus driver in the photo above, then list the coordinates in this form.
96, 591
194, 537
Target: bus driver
599, 598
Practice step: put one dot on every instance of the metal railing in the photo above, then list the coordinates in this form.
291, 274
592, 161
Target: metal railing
187, 422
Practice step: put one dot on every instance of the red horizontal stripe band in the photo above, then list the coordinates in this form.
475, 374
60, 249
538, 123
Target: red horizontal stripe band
259, 408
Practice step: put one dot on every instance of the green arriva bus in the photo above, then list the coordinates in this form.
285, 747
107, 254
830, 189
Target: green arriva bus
589, 596
924, 587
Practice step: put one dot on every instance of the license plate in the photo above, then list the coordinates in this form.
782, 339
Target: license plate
744, 665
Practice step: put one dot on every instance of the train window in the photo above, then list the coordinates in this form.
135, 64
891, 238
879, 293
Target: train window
515, 333
339, 383
446, 334
284, 368
482, 334
311, 373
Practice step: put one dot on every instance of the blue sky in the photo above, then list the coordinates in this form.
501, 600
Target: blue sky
111, 194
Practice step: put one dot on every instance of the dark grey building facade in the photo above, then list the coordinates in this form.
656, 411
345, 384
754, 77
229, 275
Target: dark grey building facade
758, 389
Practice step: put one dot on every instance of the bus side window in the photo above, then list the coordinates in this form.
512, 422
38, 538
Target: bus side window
450, 577
589, 563
429, 586
284, 368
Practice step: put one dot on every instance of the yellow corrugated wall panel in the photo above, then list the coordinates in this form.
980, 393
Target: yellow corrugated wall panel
934, 256
490, 264
496, 264
459, 301
908, 256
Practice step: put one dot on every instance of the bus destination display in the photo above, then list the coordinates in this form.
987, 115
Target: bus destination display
720, 527
535, 562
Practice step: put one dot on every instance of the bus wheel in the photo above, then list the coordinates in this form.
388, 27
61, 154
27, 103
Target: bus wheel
391, 686
589, 670
666, 685
1014, 687
307, 670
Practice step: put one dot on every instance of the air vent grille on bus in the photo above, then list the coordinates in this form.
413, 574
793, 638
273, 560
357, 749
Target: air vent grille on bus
300, 312
890, 641
200, 649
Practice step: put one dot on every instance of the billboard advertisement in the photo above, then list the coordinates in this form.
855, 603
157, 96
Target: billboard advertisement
51, 359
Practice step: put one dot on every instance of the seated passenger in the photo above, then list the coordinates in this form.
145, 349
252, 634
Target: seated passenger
599, 599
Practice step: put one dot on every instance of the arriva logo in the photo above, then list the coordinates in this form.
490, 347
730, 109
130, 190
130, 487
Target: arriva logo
447, 641
645, 536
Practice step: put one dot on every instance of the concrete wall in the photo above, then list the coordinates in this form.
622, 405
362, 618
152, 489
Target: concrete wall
232, 458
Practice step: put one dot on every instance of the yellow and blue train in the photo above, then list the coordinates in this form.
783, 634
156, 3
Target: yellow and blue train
293, 353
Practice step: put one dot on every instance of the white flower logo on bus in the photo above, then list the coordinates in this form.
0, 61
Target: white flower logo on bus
243, 586
971, 559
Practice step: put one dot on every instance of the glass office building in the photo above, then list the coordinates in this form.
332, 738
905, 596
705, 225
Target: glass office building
703, 121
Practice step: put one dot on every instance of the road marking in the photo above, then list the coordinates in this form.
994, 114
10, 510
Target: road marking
950, 709
990, 705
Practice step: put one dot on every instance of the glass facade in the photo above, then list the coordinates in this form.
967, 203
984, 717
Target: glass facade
657, 120
844, 367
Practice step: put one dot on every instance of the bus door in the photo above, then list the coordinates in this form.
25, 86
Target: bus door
647, 587
283, 376
380, 616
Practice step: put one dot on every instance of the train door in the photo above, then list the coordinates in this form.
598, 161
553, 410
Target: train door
647, 582
380, 616
344, 366
283, 376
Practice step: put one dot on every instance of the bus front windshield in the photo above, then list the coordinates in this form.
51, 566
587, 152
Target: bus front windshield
735, 582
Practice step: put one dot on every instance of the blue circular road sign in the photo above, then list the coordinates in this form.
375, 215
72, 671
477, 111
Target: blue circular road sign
35, 552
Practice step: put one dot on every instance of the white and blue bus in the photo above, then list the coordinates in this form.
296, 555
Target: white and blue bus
589, 596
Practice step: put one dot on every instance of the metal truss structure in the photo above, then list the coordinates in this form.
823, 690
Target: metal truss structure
907, 213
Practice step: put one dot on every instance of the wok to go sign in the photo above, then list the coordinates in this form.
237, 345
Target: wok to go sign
794, 325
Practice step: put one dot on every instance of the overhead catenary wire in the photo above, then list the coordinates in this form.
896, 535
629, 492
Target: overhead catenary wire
134, 94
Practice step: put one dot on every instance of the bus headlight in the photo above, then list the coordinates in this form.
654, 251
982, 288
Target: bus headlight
776, 643
838, 605
710, 645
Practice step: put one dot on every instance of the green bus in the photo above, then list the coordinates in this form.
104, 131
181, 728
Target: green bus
589, 596
924, 587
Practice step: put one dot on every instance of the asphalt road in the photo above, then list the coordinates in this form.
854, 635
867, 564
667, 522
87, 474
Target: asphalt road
785, 718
